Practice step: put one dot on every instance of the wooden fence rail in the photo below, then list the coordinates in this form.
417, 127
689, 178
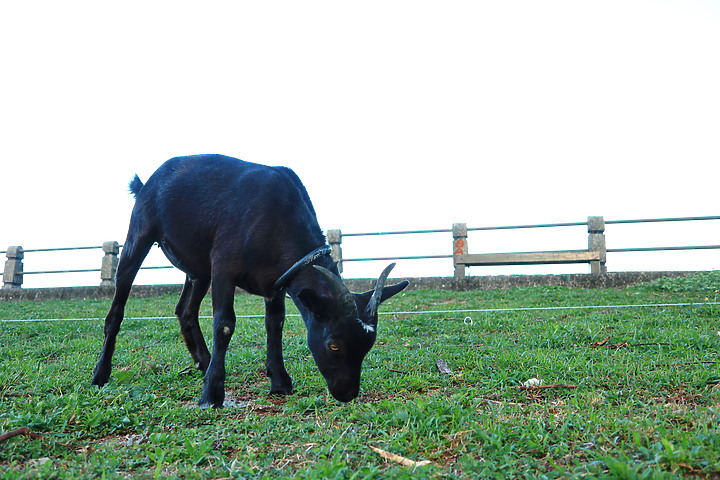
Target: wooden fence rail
595, 255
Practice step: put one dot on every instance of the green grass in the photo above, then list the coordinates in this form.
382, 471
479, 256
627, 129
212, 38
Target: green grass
646, 404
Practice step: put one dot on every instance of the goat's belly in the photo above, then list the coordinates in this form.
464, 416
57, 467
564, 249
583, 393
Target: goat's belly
171, 253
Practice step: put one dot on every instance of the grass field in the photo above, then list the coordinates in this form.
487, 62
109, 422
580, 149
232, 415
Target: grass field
645, 402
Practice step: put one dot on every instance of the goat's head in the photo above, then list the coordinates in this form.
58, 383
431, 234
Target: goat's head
342, 327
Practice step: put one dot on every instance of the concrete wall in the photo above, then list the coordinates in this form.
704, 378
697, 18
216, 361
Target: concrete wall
607, 280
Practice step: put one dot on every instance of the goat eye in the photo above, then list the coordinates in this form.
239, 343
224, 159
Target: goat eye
334, 347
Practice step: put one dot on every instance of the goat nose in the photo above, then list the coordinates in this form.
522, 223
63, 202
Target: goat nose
345, 394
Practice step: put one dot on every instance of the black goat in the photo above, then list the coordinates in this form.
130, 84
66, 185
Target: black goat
228, 223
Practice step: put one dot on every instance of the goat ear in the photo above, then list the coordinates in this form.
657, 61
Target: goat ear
364, 299
368, 307
368, 298
382, 293
312, 301
332, 301
393, 290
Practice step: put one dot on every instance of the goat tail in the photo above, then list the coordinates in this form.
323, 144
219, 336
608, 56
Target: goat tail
135, 186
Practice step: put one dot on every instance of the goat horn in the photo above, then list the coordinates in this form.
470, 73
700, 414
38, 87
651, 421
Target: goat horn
374, 303
286, 277
346, 301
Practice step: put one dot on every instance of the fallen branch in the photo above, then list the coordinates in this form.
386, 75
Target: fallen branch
497, 402
156, 342
14, 395
605, 343
701, 362
396, 371
398, 459
19, 431
538, 387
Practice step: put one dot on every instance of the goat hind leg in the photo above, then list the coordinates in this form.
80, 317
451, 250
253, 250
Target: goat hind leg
188, 311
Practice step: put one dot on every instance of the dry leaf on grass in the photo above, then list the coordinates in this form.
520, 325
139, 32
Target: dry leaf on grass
532, 382
398, 459
443, 367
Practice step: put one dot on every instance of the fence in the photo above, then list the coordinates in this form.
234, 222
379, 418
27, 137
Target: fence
595, 255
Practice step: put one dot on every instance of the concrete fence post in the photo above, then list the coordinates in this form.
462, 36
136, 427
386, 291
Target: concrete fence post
109, 263
596, 243
13, 272
460, 247
334, 238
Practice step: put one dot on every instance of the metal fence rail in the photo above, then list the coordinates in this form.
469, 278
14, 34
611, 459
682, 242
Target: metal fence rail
671, 219
660, 249
13, 272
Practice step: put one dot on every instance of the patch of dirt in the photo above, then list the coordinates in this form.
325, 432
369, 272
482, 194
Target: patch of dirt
240, 405
113, 440
295, 457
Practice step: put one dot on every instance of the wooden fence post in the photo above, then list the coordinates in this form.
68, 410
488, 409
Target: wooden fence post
460, 247
109, 263
596, 243
13, 272
334, 238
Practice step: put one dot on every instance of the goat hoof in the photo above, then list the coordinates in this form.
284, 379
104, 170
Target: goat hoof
212, 398
99, 380
281, 391
204, 404
280, 384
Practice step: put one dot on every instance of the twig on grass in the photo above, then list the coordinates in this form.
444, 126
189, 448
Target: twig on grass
497, 402
538, 387
397, 371
604, 343
156, 342
398, 459
701, 362
19, 431
14, 395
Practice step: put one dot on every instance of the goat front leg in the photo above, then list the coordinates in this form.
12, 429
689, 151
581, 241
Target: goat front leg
213, 394
114, 318
280, 381
132, 257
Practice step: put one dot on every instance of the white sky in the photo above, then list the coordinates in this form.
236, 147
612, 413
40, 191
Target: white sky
395, 114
